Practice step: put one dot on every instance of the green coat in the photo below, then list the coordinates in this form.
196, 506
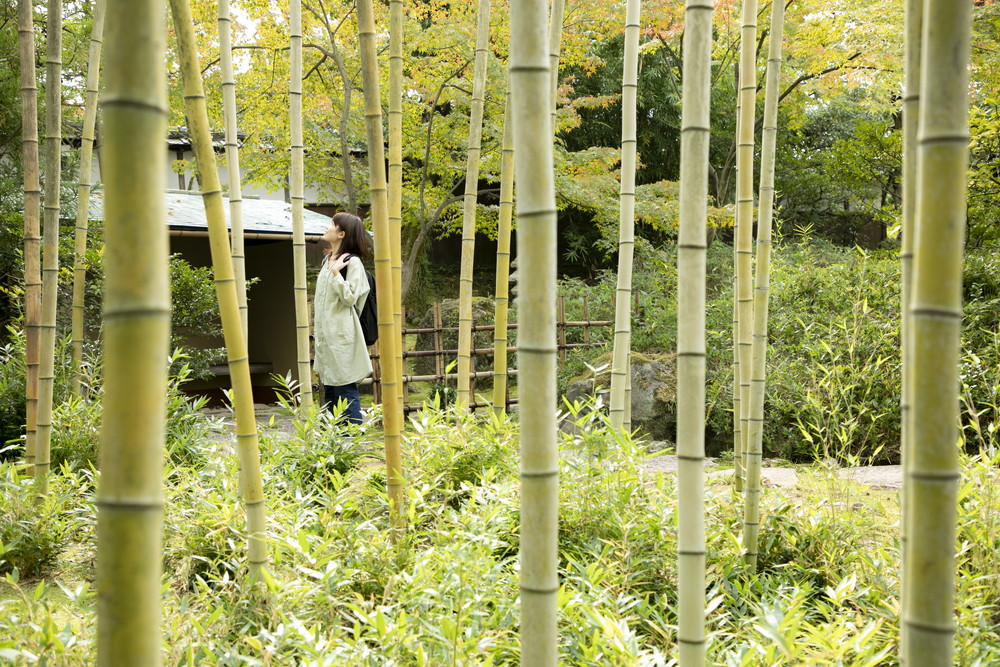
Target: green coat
341, 355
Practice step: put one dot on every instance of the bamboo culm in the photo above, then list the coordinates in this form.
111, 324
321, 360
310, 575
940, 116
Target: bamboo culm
691, 272
500, 379
247, 445
396, 179
464, 396
136, 337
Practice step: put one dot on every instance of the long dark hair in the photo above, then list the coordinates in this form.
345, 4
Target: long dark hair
355, 241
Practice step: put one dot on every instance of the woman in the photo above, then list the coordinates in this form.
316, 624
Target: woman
341, 355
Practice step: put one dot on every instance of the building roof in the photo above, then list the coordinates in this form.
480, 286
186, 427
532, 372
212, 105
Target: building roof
186, 212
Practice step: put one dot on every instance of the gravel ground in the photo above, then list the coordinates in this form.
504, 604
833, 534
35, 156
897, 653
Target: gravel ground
885, 477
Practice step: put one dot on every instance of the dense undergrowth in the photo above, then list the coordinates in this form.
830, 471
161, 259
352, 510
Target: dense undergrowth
833, 358
339, 591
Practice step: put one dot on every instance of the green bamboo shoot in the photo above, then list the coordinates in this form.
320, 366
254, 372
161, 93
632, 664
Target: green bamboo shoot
762, 289
626, 220
136, 337
388, 337
536, 243
248, 448
503, 263
464, 397
32, 215
297, 196
83, 198
233, 163
691, 263
50, 241
932, 471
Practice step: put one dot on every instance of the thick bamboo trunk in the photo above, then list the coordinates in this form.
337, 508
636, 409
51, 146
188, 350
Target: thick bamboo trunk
32, 209
465, 397
247, 446
620, 371
502, 291
744, 206
297, 196
83, 198
932, 471
911, 118
233, 163
50, 241
136, 337
388, 336
396, 178
536, 243
691, 261
762, 289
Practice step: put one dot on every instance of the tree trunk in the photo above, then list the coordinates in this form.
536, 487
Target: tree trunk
762, 289
233, 163
626, 220
691, 262
32, 208
136, 337
391, 413
503, 262
297, 197
464, 397
932, 471
536, 243
50, 241
83, 198
251, 487
911, 118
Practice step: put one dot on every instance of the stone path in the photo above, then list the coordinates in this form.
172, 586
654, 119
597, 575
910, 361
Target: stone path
884, 477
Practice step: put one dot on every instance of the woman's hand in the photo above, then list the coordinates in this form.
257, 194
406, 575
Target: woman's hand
340, 262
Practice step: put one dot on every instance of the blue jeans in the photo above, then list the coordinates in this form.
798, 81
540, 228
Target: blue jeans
348, 392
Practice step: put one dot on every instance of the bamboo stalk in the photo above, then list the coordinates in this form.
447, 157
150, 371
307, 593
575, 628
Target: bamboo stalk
691, 262
762, 289
502, 291
296, 178
626, 220
913, 19
530, 81
251, 486
464, 396
744, 204
396, 178
738, 472
32, 215
233, 164
932, 471
388, 336
83, 197
555, 47
50, 242
136, 323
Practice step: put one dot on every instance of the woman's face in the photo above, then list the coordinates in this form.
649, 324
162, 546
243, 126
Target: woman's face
333, 235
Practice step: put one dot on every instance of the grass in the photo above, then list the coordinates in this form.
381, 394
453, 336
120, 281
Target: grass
340, 592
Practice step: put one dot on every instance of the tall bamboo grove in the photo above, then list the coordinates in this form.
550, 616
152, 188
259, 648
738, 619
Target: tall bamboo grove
83, 198
465, 397
136, 337
50, 241
391, 414
762, 289
500, 379
247, 446
396, 179
536, 245
913, 19
233, 163
32, 215
691, 251
932, 473
744, 207
626, 220
297, 197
